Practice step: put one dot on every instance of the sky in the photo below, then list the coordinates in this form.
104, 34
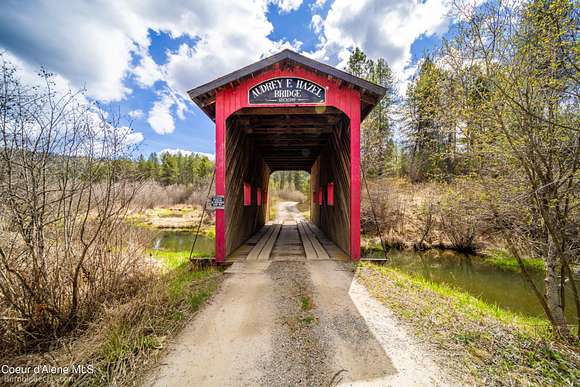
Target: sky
141, 56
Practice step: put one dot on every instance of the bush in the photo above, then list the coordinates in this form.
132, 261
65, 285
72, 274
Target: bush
462, 216
152, 194
293, 196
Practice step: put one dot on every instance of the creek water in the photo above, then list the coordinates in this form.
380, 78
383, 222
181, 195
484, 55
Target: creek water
504, 288
182, 241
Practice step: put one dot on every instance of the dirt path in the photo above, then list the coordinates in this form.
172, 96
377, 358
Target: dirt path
295, 323
287, 212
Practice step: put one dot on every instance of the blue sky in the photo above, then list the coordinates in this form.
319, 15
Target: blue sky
142, 56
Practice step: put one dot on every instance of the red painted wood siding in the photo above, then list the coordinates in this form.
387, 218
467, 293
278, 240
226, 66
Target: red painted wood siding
247, 194
330, 194
344, 98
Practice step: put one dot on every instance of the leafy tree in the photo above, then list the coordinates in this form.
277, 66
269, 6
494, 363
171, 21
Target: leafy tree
378, 147
522, 58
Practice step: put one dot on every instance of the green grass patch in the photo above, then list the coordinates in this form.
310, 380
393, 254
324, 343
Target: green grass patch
308, 320
486, 344
137, 334
173, 259
469, 305
505, 261
306, 303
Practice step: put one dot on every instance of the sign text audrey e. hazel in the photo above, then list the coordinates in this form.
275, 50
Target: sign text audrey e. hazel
287, 90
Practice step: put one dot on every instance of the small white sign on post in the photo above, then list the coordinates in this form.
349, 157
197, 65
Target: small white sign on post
217, 202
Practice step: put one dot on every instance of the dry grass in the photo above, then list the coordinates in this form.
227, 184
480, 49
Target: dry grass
123, 344
152, 194
292, 196
179, 216
428, 215
34, 312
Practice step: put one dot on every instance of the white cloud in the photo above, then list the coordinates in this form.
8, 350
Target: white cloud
287, 6
160, 118
94, 44
225, 45
318, 4
136, 114
147, 72
184, 152
316, 23
381, 28
128, 136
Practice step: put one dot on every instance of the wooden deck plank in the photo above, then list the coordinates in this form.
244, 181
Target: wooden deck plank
258, 235
306, 242
320, 251
267, 250
253, 255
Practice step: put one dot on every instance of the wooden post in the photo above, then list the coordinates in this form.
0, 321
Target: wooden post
220, 178
354, 177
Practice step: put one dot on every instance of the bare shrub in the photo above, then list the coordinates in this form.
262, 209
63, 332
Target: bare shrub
64, 249
152, 194
293, 196
461, 216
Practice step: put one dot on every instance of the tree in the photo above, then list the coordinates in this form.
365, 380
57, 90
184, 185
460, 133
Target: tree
526, 54
64, 190
378, 149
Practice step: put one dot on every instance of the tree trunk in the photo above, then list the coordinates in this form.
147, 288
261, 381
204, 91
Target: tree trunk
552, 282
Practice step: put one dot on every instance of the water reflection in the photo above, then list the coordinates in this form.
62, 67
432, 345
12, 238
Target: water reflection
504, 288
182, 241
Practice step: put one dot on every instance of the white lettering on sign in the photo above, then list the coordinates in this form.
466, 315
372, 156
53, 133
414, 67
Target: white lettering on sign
287, 90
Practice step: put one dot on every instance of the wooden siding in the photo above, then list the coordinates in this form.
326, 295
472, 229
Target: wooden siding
333, 166
244, 166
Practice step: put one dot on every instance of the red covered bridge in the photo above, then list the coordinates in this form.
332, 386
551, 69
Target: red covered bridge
287, 112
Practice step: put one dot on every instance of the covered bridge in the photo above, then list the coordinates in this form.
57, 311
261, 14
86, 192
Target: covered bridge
287, 112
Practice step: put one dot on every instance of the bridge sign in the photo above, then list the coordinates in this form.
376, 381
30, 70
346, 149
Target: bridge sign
287, 90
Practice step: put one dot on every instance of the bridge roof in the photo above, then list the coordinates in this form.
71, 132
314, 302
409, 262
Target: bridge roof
204, 95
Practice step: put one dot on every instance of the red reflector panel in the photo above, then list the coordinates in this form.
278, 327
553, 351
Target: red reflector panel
247, 194
330, 194
320, 201
258, 196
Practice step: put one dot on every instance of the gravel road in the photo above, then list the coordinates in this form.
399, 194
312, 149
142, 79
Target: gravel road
295, 323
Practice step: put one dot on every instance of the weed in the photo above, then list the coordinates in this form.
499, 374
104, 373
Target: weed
306, 303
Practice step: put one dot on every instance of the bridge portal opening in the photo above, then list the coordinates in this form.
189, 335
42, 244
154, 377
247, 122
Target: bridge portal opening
288, 186
288, 112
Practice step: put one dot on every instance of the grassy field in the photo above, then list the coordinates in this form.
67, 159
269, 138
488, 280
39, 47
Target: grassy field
478, 342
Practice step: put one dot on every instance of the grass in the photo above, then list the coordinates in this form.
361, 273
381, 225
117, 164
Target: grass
272, 209
503, 260
306, 303
173, 259
128, 338
479, 342
138, 335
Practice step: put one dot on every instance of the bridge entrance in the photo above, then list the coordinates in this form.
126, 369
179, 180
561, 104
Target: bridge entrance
287, 112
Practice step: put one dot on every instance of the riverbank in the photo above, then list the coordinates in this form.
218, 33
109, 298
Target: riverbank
128, 337
475, 340
176, 217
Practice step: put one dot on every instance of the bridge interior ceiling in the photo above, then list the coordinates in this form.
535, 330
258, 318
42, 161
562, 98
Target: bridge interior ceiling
286, 140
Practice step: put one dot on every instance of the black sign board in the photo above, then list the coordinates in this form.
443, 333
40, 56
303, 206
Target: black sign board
217, 202
287, 90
